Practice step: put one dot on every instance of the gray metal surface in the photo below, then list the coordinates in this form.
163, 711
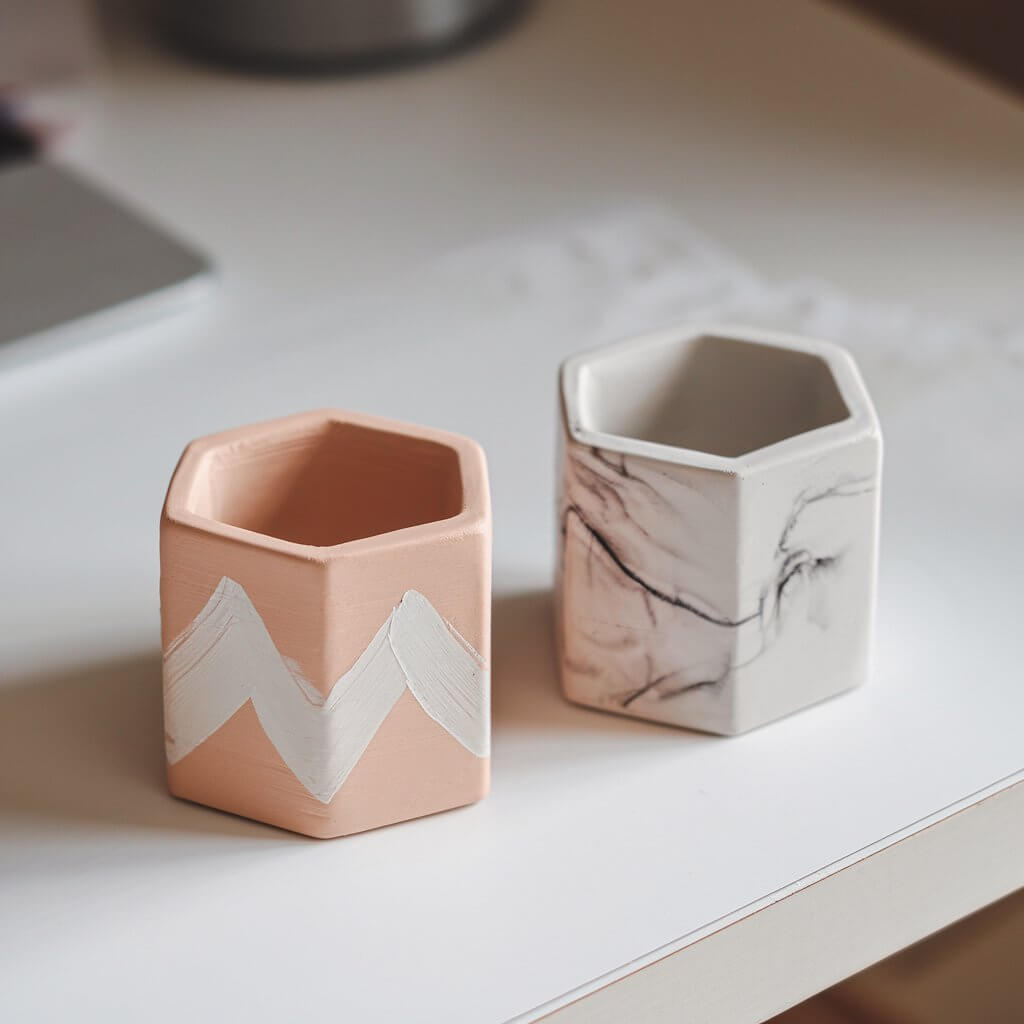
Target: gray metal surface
72, 257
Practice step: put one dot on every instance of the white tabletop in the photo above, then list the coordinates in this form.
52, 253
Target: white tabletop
429, 245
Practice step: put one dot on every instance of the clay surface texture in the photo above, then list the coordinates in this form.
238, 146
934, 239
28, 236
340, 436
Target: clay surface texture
325, 602
718, 517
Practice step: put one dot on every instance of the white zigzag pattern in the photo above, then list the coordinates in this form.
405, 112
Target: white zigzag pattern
227, 657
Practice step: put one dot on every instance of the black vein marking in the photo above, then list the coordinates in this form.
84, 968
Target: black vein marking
699, 685
677, 602
861, 485
646, 688
593, 483
649, 608
621, 468
655, 684
801, 563
793, 564
602, 486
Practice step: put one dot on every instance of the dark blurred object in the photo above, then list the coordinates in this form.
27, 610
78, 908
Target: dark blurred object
17, 142
985, 34
326, 35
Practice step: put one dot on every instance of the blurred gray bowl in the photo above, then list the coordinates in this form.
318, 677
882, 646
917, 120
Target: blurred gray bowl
324, 35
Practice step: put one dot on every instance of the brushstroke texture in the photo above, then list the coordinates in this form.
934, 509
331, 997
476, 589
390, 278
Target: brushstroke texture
226, 658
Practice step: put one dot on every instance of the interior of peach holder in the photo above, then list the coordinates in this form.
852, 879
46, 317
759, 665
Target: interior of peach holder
329, 483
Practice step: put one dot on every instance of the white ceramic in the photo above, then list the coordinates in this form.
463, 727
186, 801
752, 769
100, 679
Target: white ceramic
719, 509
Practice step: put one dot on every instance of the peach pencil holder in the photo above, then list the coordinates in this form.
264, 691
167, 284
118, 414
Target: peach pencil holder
325, 602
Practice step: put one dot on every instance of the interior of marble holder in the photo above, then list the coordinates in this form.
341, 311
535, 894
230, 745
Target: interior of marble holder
711, 394
329, 483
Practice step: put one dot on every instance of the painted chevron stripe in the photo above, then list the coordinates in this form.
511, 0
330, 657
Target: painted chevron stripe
227, 657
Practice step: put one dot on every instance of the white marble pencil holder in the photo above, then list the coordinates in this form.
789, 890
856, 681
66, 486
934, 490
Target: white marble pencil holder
719, 507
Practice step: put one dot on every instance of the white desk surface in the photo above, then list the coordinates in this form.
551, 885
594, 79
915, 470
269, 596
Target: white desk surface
803, 139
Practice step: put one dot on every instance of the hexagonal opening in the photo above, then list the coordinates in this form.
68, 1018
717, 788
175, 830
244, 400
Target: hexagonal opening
718, 395
329, 483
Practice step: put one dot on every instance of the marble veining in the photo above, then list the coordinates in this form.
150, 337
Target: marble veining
795, 565
721, 597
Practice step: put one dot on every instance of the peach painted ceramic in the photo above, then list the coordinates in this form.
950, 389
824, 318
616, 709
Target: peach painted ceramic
719, 525
325, 602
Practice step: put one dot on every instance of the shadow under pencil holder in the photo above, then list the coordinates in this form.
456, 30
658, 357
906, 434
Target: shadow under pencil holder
719, 509
325, 602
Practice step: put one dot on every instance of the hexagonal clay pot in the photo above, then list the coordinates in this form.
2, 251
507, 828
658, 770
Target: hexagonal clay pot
325, 599
719, 523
